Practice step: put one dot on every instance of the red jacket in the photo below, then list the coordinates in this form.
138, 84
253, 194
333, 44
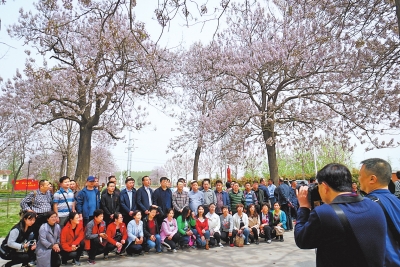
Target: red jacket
69, 237
201, 226
112, 230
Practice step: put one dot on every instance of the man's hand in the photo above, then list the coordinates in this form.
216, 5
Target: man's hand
302, 197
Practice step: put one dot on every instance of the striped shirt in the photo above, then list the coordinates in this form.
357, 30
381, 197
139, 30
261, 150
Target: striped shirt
41, 203
62, 207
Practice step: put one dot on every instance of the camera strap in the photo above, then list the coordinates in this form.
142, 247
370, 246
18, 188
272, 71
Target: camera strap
348, 231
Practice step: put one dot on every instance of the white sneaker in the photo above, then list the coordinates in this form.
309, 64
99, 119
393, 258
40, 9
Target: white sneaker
174, 251
220, 245
269, 241
248, 243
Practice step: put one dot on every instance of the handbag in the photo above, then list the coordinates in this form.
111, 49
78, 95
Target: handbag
239, 241
279, 230
5, 252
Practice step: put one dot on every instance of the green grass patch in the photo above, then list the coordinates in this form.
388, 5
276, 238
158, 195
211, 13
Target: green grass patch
8, 216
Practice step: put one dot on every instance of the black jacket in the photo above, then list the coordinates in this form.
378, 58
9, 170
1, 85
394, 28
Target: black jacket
146, 229
110, 203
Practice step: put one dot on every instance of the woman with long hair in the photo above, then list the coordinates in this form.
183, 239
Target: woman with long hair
18, 242
186, 226
254, 223
203, 233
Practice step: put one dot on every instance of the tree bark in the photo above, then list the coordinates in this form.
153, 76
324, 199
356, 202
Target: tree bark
85, 145
268, 132
196, 163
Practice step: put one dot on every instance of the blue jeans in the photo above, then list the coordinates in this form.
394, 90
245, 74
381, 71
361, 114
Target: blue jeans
246, 232
184, 240
156, 244
200, 242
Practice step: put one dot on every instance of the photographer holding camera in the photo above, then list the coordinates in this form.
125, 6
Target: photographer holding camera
347, 230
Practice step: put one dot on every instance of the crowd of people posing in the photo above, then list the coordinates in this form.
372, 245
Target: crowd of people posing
57, 228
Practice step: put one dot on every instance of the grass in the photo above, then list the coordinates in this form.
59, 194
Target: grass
8, 218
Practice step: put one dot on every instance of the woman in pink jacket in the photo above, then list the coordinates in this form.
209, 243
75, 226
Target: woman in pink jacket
169, 232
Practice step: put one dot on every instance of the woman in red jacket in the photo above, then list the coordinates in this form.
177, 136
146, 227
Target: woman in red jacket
117, 235
202, 228
71, 239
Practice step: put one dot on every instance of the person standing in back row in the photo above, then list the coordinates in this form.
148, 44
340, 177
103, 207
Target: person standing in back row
283, 200
128, 200
88, 200
64, 201
162, 197
144, 195
38, 201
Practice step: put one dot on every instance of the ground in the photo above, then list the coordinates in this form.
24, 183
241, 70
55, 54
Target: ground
284, 254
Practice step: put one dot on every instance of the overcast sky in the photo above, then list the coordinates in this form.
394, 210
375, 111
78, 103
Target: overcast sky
151, 143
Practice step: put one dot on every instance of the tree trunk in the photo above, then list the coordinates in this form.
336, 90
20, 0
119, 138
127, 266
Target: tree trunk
196, 163
62, 167
84, 151
16, 173
398, 16
268, 132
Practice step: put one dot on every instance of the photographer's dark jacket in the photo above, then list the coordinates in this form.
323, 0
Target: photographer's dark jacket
322, 229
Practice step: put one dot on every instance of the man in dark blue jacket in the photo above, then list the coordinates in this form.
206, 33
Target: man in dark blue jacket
162, 196
144, 195
360, 244
283, 191
375, 175
127, 199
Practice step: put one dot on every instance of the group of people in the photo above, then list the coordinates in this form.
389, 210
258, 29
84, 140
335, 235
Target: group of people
58, 228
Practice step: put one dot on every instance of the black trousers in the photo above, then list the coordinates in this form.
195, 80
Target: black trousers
225, 236
215, 239
286, 209
96, 248
76, 255
134, 248
40, 219
24, 258
253, 234
174, 241
55, 259
265, 232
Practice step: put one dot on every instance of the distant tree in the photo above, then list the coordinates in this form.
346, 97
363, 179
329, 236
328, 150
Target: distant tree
102, 63
301, 65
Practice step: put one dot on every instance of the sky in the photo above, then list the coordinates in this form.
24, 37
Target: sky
151, 143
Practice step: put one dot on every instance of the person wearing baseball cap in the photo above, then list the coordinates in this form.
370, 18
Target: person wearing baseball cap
88, 200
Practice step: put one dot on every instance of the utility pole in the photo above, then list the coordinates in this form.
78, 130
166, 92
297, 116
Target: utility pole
130, 150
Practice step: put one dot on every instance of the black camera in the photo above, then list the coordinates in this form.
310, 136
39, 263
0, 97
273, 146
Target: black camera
314, 198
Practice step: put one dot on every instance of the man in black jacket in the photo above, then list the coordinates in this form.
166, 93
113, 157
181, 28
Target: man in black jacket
109, 203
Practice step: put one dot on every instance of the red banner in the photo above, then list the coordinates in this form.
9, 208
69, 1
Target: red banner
228, 174
26, 184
